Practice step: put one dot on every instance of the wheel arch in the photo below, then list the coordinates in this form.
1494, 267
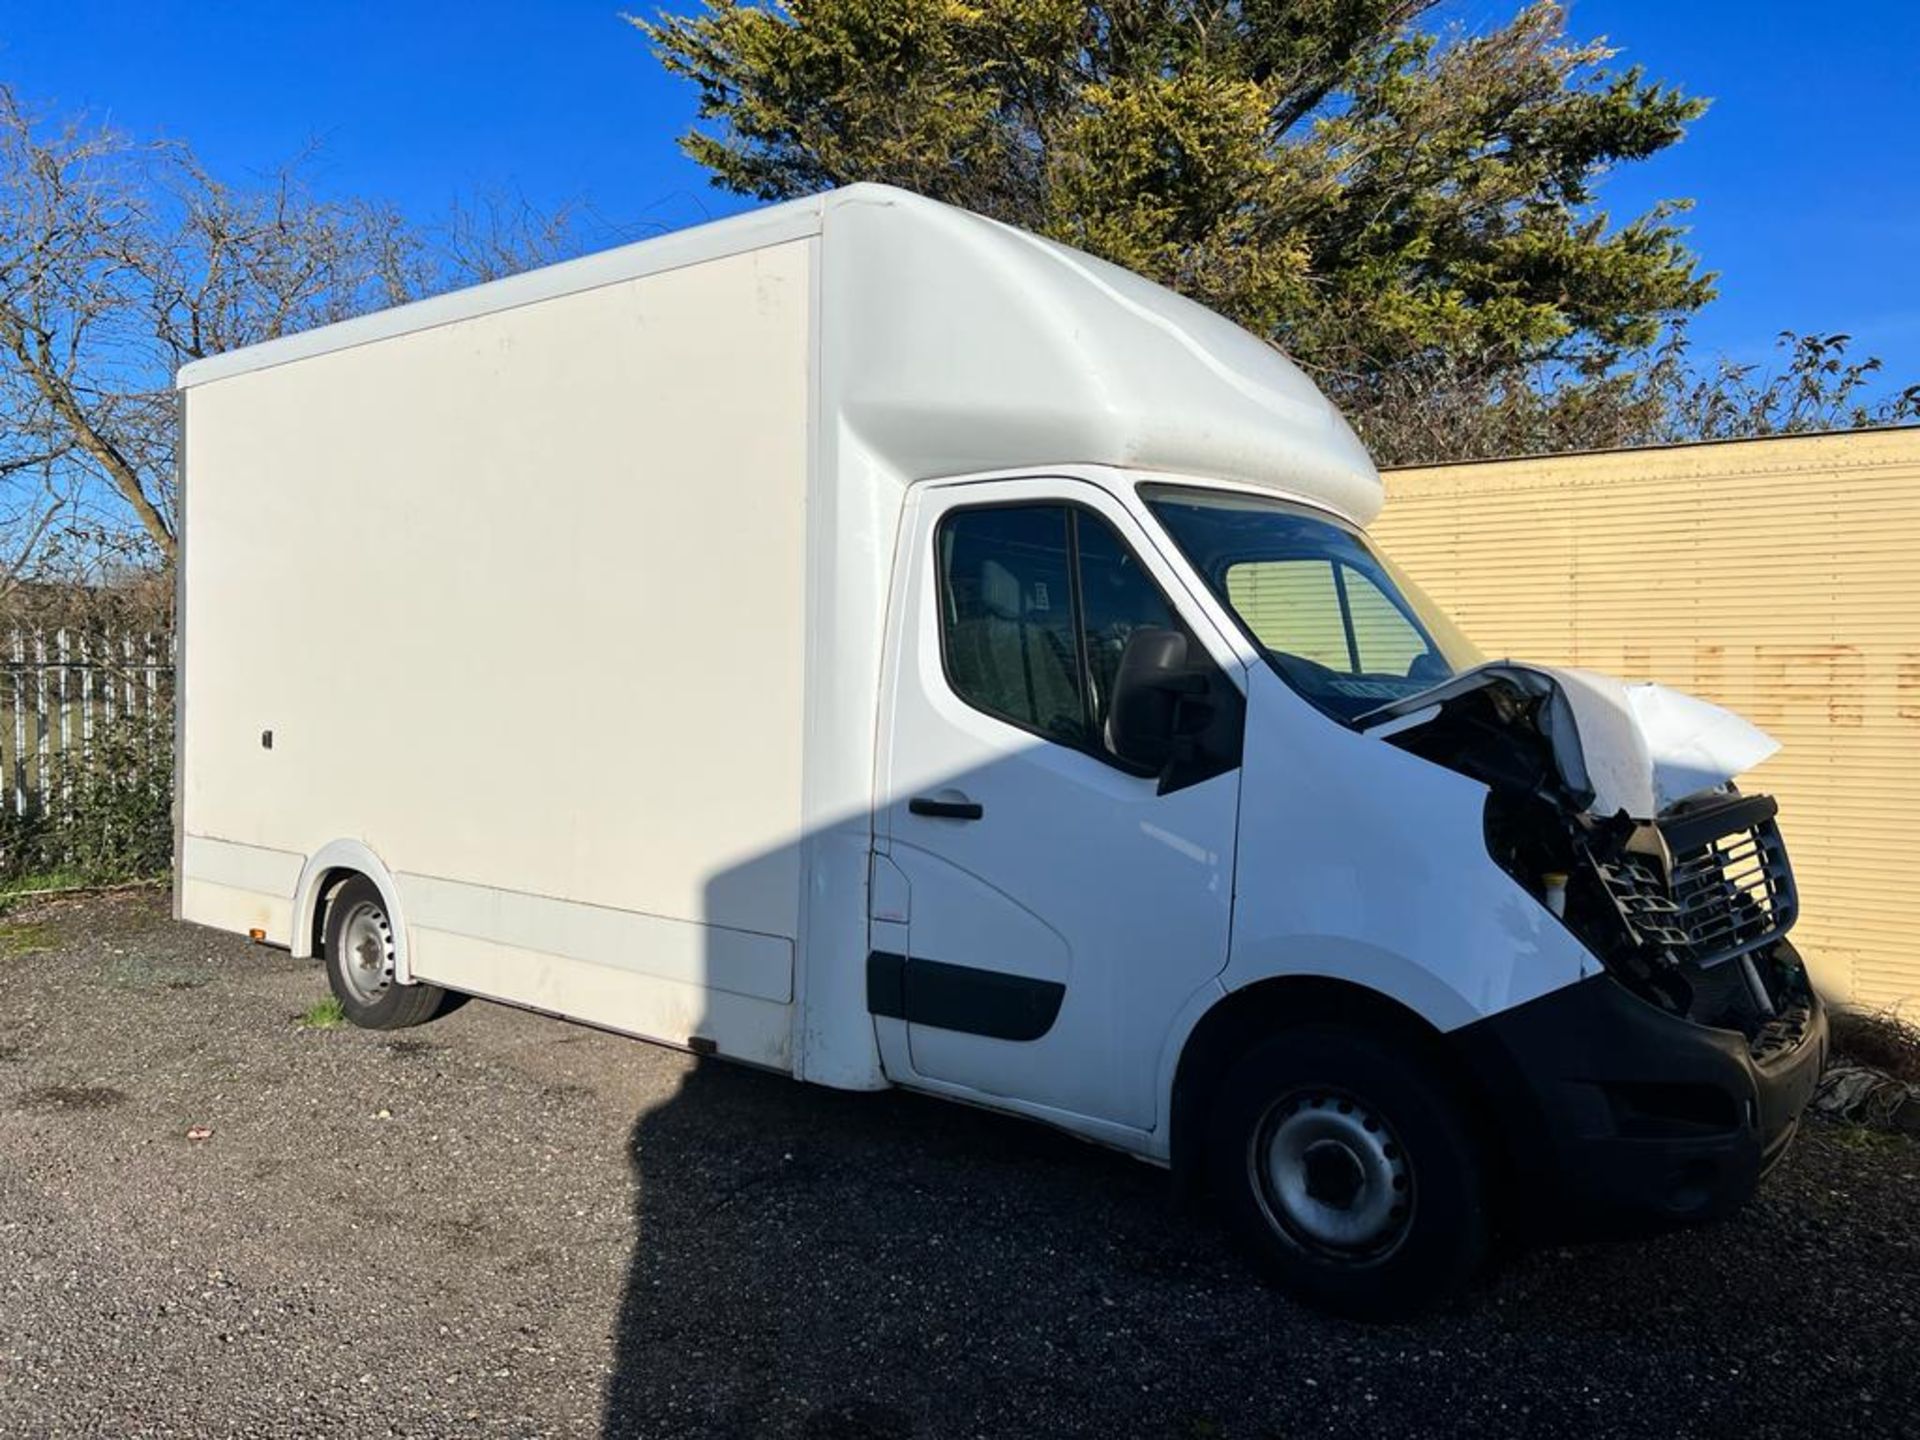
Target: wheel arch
1241, 1018
333, 862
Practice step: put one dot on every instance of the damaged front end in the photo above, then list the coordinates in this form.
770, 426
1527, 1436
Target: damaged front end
1613, 804
1699, 902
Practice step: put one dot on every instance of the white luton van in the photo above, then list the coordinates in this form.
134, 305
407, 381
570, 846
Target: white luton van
866, 641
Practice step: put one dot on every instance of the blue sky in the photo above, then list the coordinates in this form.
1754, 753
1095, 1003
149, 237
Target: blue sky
1806, 170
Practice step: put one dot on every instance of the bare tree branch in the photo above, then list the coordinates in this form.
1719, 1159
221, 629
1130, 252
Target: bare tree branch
122, 260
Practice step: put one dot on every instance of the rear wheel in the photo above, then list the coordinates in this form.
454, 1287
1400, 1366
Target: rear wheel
359, 949
1344, 1166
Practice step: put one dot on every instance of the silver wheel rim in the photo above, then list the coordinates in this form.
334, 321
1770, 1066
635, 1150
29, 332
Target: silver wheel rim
366, 951
1331, 1175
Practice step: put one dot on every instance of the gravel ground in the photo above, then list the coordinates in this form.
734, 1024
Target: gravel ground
501, 1224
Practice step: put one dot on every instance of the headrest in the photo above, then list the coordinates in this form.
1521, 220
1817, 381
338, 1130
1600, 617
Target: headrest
999, 590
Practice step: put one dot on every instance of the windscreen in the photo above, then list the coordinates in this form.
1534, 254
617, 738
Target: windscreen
1330, 615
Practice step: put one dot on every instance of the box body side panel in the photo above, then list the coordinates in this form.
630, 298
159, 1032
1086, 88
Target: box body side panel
519, 602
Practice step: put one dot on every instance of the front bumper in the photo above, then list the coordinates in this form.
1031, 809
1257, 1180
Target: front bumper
1618, 1116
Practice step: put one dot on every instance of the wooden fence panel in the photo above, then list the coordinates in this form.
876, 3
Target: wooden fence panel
61, 694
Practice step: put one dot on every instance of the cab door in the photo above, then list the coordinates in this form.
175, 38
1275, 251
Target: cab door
1042, 909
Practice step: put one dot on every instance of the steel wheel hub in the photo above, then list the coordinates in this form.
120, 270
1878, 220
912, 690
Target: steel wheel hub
366, 951
1332, 1175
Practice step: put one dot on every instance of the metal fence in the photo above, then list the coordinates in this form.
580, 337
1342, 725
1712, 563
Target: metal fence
61, 691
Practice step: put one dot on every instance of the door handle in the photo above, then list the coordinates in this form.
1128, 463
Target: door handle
945, 809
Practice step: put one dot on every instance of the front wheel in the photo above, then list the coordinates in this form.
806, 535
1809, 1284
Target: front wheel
359, 948
1344, 1167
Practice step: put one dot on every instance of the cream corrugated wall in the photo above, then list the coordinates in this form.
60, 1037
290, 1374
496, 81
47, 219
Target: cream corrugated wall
1778, 577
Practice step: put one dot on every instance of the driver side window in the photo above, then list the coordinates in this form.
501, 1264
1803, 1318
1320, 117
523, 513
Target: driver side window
1037, 603
1007, 617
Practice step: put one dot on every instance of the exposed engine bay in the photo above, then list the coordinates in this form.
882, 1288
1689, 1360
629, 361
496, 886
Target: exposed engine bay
1614, 805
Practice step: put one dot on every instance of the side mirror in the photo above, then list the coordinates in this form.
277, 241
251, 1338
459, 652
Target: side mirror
1143, 716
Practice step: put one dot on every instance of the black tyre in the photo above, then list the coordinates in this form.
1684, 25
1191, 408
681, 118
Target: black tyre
1343, 1165
359, 952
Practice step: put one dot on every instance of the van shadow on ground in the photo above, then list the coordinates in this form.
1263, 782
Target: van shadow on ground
823, 1264
864, 1267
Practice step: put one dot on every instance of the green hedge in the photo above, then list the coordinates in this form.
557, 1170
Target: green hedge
106, 812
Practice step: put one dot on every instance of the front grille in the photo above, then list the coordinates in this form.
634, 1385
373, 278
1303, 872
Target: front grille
1640, 892
1735, 893
1730, 890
